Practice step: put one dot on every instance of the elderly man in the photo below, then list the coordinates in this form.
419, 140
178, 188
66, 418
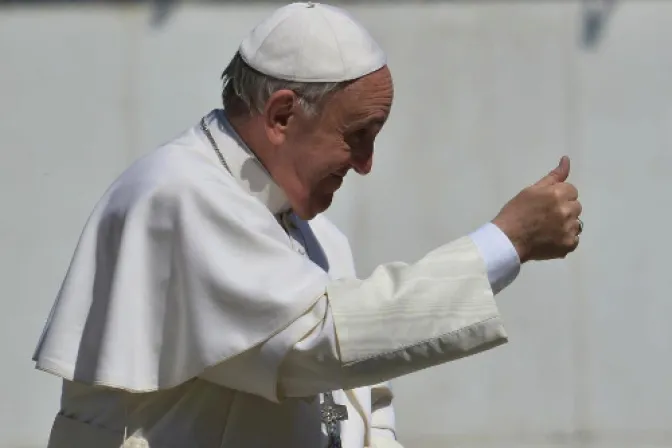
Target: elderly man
210, 304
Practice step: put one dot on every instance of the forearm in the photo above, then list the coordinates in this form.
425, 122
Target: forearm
402, 319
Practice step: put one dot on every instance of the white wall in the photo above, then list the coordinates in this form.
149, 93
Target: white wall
489, 95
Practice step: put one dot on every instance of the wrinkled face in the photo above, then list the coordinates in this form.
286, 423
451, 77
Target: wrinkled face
316, 152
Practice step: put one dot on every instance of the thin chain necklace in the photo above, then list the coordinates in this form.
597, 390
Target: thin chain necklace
331, 413
208, 134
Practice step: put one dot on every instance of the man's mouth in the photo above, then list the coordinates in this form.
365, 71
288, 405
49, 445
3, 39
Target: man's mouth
341, 173
337, 180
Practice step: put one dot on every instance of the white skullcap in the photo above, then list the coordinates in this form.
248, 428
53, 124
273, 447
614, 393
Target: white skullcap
312, 42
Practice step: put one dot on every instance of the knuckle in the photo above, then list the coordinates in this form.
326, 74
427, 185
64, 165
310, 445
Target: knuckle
565, 212
574, 245
569, 228
579, 207
568, 239
557, 192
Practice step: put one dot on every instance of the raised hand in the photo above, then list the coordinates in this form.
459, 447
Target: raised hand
542, 221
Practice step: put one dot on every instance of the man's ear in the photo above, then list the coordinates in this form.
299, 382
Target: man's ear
280, 110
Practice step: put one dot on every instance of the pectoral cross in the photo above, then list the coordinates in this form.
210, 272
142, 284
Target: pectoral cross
332, 414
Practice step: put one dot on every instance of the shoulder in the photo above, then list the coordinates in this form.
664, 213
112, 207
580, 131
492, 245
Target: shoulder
174, 180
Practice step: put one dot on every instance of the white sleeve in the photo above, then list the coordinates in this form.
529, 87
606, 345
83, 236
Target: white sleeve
402, 319
501, 258
383, 419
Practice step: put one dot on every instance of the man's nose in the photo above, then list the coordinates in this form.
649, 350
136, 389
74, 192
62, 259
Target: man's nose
363, 165
362, 161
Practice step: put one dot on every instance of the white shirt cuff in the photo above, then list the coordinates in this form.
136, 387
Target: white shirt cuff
501, 258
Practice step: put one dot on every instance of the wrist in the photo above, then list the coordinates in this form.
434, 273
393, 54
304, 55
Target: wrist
516, 236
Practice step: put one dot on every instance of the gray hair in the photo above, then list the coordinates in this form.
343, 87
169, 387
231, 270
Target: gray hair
253, 89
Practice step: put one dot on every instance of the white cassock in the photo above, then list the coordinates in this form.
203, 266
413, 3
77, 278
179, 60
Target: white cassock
196, 314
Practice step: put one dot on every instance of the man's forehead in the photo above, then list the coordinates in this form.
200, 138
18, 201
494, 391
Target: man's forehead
380, 79
370, 101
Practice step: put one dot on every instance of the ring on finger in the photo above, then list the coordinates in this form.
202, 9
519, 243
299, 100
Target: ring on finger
580, 226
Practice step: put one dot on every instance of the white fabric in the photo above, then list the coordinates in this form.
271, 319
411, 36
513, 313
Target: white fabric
312, 42
205, 415
442, 307
163, 264
499, 254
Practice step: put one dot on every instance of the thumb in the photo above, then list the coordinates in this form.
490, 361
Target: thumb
559, 173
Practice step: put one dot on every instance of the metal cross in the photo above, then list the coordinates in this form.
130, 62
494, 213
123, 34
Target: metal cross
332, 414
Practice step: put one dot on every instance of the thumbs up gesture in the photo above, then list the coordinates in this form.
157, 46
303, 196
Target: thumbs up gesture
542, 221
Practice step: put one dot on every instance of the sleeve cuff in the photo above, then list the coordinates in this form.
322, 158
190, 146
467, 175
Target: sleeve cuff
501, 258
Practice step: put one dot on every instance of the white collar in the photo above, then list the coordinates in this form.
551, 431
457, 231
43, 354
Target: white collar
243, 164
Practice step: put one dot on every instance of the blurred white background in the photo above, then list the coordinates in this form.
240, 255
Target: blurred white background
489, 95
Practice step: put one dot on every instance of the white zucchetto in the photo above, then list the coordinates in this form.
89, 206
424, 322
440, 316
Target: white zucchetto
312, 42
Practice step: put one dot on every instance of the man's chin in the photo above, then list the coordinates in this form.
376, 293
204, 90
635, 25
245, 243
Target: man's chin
326, 202
318, 205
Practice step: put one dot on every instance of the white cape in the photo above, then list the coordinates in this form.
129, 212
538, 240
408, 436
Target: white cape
165, 282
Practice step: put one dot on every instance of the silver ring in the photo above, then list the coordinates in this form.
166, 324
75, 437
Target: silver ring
580, 226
